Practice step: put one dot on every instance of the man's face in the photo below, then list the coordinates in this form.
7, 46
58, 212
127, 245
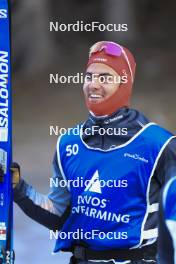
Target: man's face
101, 81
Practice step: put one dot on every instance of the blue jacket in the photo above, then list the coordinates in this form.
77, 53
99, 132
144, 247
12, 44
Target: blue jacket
53, 209
167, 224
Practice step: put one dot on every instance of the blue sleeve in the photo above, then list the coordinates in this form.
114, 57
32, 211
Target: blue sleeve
50, 210
167, 224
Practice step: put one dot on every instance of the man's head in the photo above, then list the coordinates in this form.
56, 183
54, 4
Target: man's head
109, 78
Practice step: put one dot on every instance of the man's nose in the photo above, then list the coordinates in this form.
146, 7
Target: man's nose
95, 83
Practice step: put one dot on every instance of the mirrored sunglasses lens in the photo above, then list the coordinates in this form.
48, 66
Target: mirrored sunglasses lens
109, 48
113, 50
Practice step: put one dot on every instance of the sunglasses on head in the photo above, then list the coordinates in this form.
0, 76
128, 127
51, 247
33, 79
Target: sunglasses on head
112, 49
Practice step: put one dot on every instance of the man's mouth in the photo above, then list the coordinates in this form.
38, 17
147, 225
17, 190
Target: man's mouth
96, 97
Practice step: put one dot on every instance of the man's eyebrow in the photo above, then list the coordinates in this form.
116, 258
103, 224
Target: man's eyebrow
89, 73
105, 74
100, 74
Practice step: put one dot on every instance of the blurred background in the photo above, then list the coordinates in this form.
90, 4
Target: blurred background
37, 52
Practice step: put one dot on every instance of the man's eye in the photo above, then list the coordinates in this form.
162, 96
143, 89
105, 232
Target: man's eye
88, 78
103, 79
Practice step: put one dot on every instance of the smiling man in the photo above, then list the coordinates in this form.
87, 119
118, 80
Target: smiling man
113, 94
112, 214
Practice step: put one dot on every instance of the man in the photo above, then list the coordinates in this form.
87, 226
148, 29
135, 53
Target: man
167, 224
121, 160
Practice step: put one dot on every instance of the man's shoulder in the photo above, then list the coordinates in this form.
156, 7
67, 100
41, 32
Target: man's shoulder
169, 195
138, 117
